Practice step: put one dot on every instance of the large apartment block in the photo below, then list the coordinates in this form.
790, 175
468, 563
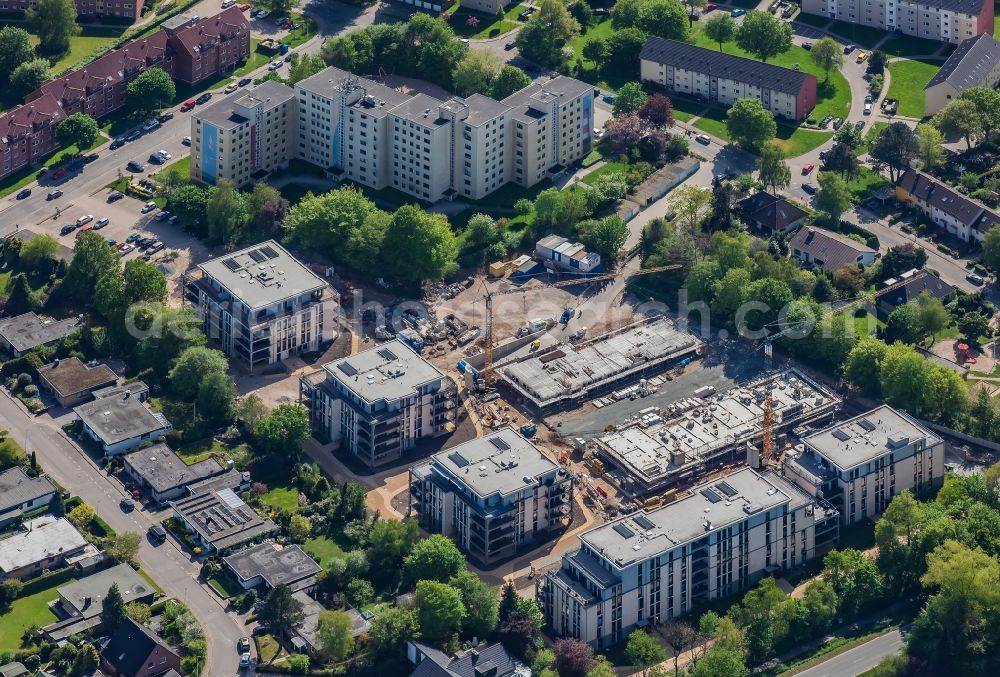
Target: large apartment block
379, 403
28, 134
207, 47
946, 20
85, 9
433, 149
651, 566
262, 305
495, 496
717, 77
244, 136
858, 465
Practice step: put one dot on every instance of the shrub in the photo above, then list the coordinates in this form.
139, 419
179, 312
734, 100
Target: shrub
23, 380
31, 390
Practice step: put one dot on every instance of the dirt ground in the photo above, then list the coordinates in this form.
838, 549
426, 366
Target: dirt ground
985, 361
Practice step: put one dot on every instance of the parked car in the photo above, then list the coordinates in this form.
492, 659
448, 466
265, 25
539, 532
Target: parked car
608, 98
288, 58
127, 505
230, 88
808, 167
243, 644
245, 660
187, 105
807, 46
186, 141
975, 279
244, 6
86, 218
862, 57
144, 242
133, 237
703, 138
164, 154
157, 534
161, 216
709, 6
244, 82
848, 48
125, 250
510, 45
737, 13
23, 193
274, 65
156, 159
115, 195
133, 135
90, 158
163, 117
148, 207
174, 220
150, 125
67, 229
101, 222
118, 143
808, 189
868, 108
53, 194
58, 173
135, 166
153, 248
263, 14
85, 229
226, 4
204, 98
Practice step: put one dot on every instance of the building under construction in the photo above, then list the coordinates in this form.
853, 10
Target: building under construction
676, 444
566, 375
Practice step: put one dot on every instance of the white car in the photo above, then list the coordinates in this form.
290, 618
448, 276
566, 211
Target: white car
126, 249
148, 207
245, 660
868, 109
101, 222
164, 154
274, 65
230, 88
86, 218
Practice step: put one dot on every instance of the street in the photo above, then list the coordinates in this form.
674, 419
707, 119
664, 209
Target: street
859, 659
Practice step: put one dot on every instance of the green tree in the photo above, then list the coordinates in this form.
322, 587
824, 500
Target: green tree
833, 197
217, 399
303, 66
546, 33
720, 28
987, 103
57, 505
959, 118
973, 325
360, 592
391, 629
138, 612
193, 365
718, 662
750, 124
81, 516
482, 609
30, 75
190, 204
268, 209
643, 651
152, 89
772, 169
624, 47
20, 298
92, 259
112, 610
299, 528
40, 252
606, 237
510, 79
225, 212
665, 18
86, 660
54, 22
861, 369
279, 612
827, 54
895, 148
15, 49
854, 577
123, 546
475, 72
283, 430
630, 98
763, 35
625, 14
439, 609
389, 542
419, 246
333, 631
692, 6
933, 315
929, 145
436, 558
596, 49
691, 203
818, 607
10, 589
903, 324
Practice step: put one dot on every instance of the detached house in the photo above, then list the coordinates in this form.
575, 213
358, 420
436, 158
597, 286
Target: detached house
953, 212
771, 214
828, 250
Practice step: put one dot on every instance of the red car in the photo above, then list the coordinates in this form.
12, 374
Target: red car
244, 6
58, 174
709, 6
187, 105
807, 168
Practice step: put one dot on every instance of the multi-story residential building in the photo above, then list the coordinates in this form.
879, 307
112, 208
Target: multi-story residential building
960, 216
262, 305
718, 77
28, 134
946, 20
975, 63
245, 136
651, 566
860, 464
86, 9
434, 149
208, 47
495, 496
379, 403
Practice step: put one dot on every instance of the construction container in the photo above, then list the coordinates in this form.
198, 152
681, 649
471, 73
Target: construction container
537, 324
499, 268
601, 490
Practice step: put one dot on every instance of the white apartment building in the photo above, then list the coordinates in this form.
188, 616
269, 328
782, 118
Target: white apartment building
651, 566
495, 496
860, 464
945, 20
245, 136
262, 305
379, 403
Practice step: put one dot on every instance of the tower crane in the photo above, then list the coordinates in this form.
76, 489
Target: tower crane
489, 375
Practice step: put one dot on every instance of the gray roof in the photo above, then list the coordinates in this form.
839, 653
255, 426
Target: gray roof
771, 212
834, 249
119, 418
262, 275
42, 537
481, 660
387, 372
970, 64
501, 462
560, 87
71, 376
95, 587
17, 488
422, 109
866, 437
228, 480
221, 114
723, 65
942, 196
163, 470
134, 388
481, 108
960, 6
14, 669
916, 285
276, 564
709, 507
222, 518
28, 331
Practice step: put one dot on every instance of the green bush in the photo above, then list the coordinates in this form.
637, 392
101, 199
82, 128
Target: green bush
49, 580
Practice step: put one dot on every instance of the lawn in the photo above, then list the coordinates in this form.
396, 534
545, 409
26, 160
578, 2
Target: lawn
870, 136
487, 26
225, 584
181, 167
685, 109
323, 550
24, 613
795, 141
714, 122
268, 649
305, 31
90, 42
833, 95
193, 452
284, 498
591, 179
904, 45
907, 81
255, 61
865, 182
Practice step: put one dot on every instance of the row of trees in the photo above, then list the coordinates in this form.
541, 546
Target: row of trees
222, 214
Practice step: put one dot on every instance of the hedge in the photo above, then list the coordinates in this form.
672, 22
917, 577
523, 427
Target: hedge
848, 228
49, 580
25, 364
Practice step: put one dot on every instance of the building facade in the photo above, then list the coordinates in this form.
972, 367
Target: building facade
207, 47
379, 403
717, 77
951, 211
28, 134
975, 63
945, 20
828, 250
244, 136
860, 464
87, 9
261, 305
650, 567
495, 496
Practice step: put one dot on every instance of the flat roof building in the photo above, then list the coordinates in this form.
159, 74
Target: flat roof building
20, 494
220, 520
25, 332
566, 374
80, 602
166, 476
495, 496
71, 381
379, 403
46, 542
262, 304
859, 464
121, 423
273, 565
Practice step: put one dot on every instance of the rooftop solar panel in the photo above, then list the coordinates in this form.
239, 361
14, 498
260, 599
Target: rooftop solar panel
841, 435
347, 368
387, 354
499, 443
231, 264
727, 489
643, 521
458, 459
866, 424
624, 531
710, 495
257, 255
269, 252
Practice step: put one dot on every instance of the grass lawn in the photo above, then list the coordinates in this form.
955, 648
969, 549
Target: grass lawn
255, 61
870, 136
225, 584
591, 179
268, 649
305, 31
908, 79
589, 72
833, 96
181, 167
685, 109
24, 613
904, 45
323, 550
285, 498
90, 42
795, 141
865, 183
193, 452
486, 26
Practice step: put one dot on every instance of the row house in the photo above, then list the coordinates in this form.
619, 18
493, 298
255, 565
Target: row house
951, 211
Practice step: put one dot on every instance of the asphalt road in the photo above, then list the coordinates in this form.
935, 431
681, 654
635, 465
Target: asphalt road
859, 659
